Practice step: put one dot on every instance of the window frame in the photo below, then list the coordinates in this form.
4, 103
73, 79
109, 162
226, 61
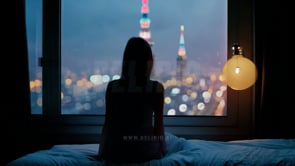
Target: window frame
240, 104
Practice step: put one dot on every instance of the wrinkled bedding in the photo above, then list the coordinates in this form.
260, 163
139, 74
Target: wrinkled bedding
181, 151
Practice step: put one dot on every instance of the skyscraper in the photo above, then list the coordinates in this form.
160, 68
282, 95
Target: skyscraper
145, 22
181, 57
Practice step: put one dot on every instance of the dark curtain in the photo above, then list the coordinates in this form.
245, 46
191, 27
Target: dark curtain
273, 109
15, 82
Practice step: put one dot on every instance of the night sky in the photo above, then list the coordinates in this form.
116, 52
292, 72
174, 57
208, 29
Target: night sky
94, 32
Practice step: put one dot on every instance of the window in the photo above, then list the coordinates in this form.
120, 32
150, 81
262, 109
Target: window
34, 36
93, 36
94, 33
83, 42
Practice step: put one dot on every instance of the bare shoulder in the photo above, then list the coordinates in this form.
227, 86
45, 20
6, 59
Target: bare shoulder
112, 83
158, 86
114, 86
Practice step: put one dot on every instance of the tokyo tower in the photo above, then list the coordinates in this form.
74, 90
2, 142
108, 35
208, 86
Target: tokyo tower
181, 57
145, 22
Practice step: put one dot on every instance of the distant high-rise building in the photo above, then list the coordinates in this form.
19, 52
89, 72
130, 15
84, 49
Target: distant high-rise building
181, 57
145, 22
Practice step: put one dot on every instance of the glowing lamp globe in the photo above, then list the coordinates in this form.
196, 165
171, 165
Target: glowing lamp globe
239, 72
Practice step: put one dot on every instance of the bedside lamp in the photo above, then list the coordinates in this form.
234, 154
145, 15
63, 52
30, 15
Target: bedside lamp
239, 72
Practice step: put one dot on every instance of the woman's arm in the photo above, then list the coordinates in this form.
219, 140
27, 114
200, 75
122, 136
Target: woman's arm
105, 127
158, 119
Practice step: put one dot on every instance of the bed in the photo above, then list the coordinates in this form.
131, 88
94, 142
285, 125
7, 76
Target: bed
181, 151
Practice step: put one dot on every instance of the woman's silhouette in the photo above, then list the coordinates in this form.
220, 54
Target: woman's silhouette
133, 130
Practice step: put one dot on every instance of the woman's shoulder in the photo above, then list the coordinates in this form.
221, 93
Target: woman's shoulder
156, 82
114, 82
157, 85
115, 85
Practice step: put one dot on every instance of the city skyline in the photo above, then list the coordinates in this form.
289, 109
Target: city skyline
93, 38
96, 32
98, 35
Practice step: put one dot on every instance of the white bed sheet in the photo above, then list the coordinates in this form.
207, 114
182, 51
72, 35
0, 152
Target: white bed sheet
180, 152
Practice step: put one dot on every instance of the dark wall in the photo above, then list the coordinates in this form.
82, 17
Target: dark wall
273, 89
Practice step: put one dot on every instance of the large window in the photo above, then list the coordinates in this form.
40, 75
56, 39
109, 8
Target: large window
92, 38
76, 47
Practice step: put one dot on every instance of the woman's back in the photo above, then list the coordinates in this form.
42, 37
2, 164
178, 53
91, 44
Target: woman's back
130, 133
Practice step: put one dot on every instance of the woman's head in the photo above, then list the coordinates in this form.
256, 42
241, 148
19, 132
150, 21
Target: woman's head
137, 59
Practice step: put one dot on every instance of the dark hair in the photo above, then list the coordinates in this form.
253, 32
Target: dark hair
137, 59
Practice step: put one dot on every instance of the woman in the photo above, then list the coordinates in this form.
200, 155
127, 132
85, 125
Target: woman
133, 130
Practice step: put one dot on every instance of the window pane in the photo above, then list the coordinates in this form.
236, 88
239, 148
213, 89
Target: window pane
34, 37
189, 44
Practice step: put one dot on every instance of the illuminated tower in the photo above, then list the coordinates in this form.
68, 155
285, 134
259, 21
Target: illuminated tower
145, 22
181, 57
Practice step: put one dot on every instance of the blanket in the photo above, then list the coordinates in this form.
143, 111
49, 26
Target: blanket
181, 151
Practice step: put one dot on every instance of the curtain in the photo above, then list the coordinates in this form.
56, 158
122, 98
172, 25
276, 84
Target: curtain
273, 109
16, 99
